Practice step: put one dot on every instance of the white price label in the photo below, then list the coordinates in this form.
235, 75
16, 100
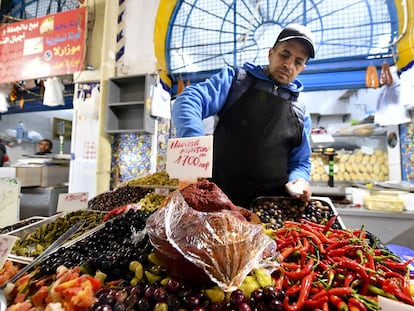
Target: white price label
190, 158
72, 201
6, 245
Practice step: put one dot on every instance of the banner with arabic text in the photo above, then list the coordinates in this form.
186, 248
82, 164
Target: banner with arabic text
48, 46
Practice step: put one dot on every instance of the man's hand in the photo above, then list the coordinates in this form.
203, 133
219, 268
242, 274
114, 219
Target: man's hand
299, 189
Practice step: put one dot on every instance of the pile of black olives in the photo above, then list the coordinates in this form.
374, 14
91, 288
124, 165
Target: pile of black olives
175, 296
110, 249
274, 211
107, 201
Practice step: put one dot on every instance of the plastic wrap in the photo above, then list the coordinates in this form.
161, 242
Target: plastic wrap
221, 244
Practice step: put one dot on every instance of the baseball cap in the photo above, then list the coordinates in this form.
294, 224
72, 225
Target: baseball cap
297, 31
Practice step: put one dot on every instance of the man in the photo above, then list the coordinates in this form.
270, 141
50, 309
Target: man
261, 140
45, 147
3, 153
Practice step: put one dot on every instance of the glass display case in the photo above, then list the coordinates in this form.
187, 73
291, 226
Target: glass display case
357, 158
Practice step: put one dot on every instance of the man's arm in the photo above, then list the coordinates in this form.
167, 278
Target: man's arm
300, 165
199, 101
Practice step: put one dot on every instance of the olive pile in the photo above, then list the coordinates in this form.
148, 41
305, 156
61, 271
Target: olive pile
274, 211
151, 202
33, 242
110, 249
107, 201
156, 179
176, 296
19, 225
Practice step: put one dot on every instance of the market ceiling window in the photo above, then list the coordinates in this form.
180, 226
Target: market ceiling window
208, 35
26, 9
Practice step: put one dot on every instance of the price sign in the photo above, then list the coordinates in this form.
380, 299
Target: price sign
72, 201
6, 244
190, 158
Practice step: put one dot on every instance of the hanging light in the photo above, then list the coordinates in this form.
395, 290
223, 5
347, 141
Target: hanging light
4, 105
53, 95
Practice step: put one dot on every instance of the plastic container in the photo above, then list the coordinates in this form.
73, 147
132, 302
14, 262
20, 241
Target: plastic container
20, 129
384, 203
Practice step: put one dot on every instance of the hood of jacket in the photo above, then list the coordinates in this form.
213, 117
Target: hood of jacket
258, 71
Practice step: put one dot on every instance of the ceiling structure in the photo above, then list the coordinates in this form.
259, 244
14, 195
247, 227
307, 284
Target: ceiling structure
204, 36
26, 9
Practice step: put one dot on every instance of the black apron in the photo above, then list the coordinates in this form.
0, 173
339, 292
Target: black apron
251, 145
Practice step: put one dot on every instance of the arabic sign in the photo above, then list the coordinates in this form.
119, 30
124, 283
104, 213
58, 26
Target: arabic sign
48, 46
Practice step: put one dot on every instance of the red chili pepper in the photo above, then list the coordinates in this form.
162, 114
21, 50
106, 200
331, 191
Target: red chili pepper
348, 249
324, 265
397, 265
393, 274
315, 238
329, 224
297, 275
381, 267
370, 261
341, 291
391, 286
305, 245
293, 289
354, 302
322, 237
331, 276
317, 226
322, 292
325, 306
287, 252
115, 211
282, 243
338, 303
306, 285
290, 265
279, 282
352, 265
338, 244
315, 304
349, 278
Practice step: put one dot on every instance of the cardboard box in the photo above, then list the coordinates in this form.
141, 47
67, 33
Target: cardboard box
388, 203
38, 176
29, 176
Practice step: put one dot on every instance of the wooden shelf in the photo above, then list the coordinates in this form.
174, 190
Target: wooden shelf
126, 108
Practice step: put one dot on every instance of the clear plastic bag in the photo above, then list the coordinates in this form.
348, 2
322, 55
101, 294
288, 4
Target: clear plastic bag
220, 244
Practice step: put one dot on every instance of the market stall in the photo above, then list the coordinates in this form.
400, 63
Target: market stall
281, 254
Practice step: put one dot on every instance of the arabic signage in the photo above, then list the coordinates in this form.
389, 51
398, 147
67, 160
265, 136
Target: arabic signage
48, 46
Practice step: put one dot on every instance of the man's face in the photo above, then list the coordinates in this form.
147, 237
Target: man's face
44, 146
287, 60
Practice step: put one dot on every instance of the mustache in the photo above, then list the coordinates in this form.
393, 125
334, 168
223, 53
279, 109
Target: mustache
285, 70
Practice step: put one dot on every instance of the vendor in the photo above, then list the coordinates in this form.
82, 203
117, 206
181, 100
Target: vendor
45, 147
261, 141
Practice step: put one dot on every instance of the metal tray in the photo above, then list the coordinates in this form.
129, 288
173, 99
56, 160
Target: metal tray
294, 209
33, 227
21, 224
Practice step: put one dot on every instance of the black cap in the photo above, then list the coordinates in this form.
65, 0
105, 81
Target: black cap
296, 31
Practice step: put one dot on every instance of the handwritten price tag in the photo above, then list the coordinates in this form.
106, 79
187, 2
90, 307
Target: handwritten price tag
72, 201
6, 244
190, 158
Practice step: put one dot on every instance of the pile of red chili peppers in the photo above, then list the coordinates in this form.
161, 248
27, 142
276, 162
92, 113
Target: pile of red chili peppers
333, 269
